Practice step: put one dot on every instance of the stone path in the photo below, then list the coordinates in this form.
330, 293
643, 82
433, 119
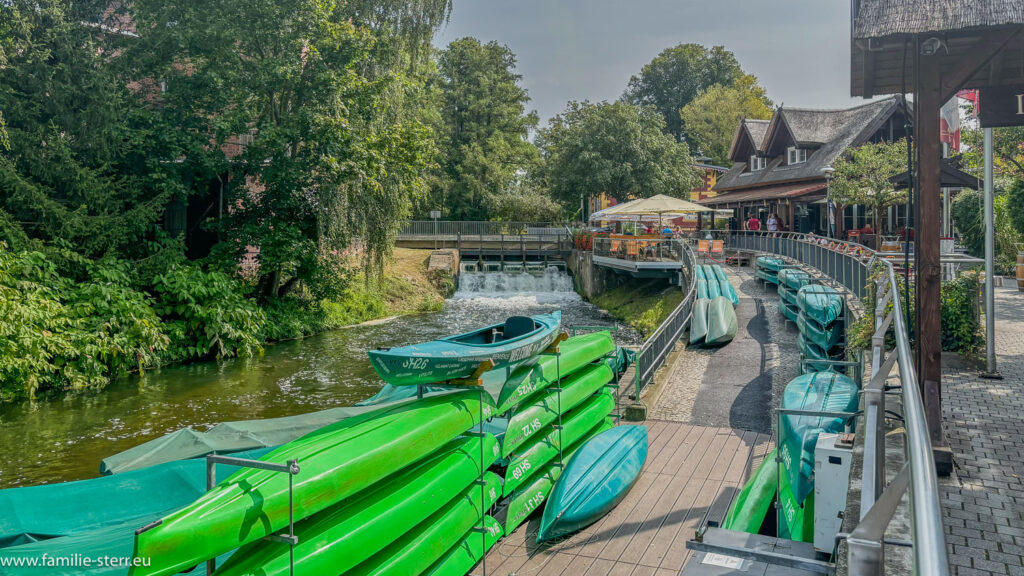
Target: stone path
983, 500
732, 385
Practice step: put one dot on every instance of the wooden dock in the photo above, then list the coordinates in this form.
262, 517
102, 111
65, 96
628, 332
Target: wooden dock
692, 475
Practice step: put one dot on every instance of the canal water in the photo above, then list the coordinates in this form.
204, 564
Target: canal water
60, 440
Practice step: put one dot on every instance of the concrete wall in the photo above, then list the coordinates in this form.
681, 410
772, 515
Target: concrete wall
591, 280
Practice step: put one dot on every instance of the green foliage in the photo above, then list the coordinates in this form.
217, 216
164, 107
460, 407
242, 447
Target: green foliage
969, 218
961, 325
862, 176
525, 204
206, 314
676, 76
483, 131
59, 333
619, 149
643, 306
1007, 148
1015, 206
712, 117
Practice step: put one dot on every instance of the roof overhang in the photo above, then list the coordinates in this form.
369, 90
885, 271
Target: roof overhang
786, 192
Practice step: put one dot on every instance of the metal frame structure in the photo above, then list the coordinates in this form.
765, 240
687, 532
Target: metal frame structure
866, 543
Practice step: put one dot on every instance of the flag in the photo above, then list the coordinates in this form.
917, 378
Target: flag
950, 125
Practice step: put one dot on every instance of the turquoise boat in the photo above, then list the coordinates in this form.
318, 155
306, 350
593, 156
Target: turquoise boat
596, 478
699, 321
821, 304
516, 342
702, 287
722, 322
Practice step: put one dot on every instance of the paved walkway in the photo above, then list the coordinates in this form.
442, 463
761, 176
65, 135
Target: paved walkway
984, 420
732, 385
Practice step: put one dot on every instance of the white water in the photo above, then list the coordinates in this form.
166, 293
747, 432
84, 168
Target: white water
551, 280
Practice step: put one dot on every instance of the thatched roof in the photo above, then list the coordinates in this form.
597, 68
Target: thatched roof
881, 18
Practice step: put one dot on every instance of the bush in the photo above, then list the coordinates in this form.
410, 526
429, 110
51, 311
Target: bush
969, 216
206, 314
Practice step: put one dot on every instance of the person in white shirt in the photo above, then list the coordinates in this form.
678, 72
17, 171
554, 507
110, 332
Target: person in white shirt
773, 223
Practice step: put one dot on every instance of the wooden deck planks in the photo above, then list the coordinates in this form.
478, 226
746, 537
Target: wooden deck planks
692, 474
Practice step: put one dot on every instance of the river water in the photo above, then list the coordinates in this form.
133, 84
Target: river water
65, 439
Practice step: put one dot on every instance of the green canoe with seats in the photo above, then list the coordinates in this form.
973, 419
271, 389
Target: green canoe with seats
423, 545
467, 552
349, 532
531, 418
722, 323
699, 321
575, 424
336, 462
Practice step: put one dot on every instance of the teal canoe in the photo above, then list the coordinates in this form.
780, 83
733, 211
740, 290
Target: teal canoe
789, 311
752, 504
336, 462
515, 342
787, 295
817, 356
821, 304
722, 323
423, 545
714, 289
531, 418
575, 425
461, 559
794, 278
351, 531
719, 273
729, 292
770, 263
699, 273
596, 478
826, 391
702, 288
823, 338
529, 498
699, 321
768, 276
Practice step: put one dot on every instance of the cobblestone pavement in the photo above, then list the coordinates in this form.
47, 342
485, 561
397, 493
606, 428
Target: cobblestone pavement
732, 385
983, 500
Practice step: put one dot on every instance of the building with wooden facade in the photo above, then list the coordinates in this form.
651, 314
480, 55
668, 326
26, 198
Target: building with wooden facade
779, 165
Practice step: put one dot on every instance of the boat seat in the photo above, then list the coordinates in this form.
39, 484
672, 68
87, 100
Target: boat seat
517, 326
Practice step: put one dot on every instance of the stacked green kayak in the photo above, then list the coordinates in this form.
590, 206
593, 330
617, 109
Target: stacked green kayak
820, 321
790, 281
768, 268
716, 275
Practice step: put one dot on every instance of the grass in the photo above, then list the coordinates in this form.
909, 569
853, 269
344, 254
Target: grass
643, 306
404, 289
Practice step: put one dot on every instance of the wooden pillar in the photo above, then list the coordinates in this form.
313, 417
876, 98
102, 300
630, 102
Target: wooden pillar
928, 323
792, 216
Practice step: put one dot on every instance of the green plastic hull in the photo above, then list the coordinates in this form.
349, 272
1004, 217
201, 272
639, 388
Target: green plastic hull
529, 498
714, 289
793, 278
824, 338
467, 552
576, 353
350, 532
789, 311
419, 548
699, 321
336, 462
702, 288
722, 323
821, 304
575, 425
533, 417
751, 506
770, 263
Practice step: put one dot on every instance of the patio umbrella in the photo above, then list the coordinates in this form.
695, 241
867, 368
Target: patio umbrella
659, 205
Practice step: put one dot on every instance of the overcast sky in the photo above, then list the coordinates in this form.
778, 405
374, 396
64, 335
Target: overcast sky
588, 49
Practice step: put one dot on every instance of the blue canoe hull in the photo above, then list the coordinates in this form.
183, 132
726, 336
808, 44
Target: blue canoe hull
460, 356
596, 478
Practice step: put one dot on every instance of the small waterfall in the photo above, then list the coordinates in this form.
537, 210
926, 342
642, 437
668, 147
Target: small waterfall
514, 280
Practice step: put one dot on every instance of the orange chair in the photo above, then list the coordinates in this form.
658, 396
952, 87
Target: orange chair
632, 250
702, 246
718, 247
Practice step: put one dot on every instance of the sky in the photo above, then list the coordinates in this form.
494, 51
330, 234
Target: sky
588, 49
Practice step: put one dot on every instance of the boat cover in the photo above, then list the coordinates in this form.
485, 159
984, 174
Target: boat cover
826, 391
794, 278
821, 304
770, 263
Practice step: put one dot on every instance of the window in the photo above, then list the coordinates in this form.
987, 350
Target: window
757, 163
796, 155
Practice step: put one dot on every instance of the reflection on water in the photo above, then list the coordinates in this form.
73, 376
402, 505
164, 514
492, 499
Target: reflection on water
66, 439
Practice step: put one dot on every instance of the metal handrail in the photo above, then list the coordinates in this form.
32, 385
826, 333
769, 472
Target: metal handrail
446, 228
866, 544
656, 347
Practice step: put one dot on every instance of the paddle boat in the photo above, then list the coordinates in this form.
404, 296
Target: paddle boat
516, 342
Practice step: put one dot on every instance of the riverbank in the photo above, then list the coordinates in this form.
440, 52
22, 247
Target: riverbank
643, 305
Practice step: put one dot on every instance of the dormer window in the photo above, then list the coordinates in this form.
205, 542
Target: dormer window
796, 155
757, 163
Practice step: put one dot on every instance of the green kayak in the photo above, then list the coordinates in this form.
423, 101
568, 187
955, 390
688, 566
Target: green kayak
794, 278
751, 506
336, 462
576, 424
576, 353
529, 498
789, 311
768, 276
821, 304
416, 550
722, 323
770, 263
797, 518
349, 532
824, 338
699, 321
467, 552
529, 419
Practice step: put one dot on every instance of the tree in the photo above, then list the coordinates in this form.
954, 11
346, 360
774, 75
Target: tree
712, 117
616, 148
1007, 149
862, 176
484, 129
967, 210
676, 76
329, 158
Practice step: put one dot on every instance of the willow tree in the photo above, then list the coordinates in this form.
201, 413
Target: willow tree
323, 163
863, 177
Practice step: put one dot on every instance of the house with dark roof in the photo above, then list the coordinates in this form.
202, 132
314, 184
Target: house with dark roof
780, 165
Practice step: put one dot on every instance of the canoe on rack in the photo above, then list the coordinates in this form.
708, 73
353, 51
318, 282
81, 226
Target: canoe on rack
515, 342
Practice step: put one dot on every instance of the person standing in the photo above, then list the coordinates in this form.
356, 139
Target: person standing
773, 223
753, 224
